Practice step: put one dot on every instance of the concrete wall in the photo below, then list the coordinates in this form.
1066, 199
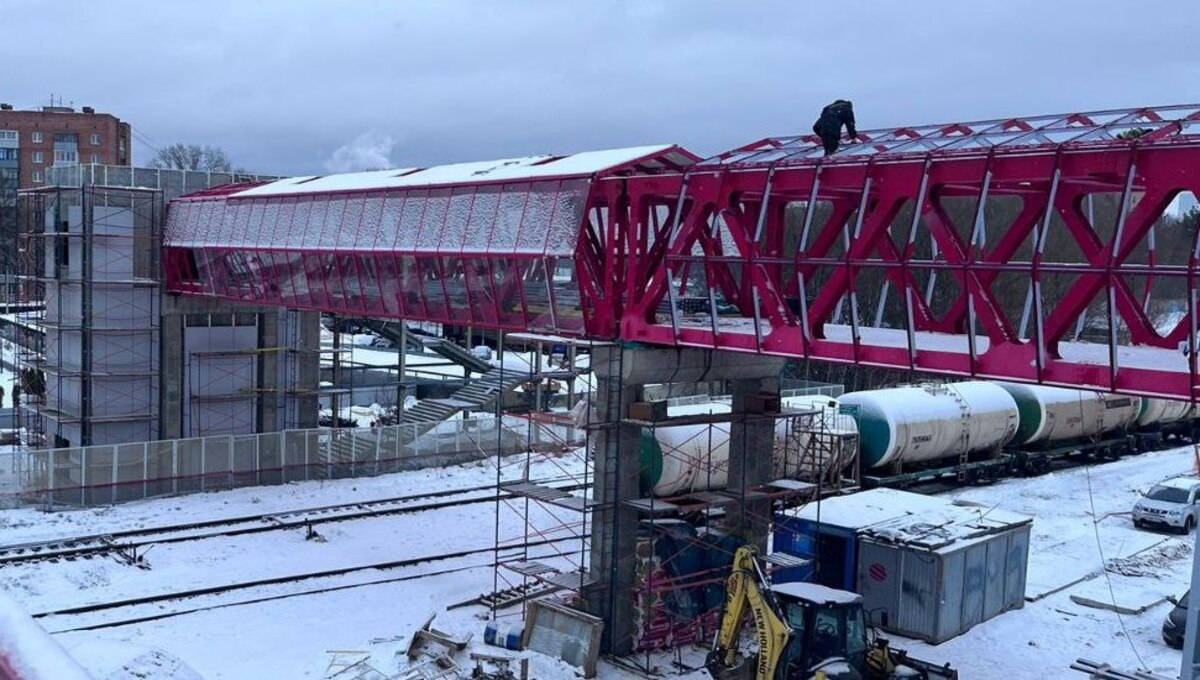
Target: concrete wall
272, 363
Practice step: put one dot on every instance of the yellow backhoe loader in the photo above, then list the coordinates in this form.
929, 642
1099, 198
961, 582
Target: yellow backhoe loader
805, 632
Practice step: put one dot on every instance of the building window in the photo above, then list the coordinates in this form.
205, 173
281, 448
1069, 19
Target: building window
37, 138
9, 136
37, 156
37, 177
95, 139
66, 157
95, 159
9, 155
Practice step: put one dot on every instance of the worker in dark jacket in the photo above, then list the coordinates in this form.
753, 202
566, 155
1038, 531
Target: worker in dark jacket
829, 126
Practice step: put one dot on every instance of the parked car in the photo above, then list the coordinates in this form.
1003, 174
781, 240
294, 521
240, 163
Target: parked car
1173, 626
1170, 504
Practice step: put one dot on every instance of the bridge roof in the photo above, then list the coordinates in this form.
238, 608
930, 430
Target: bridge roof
531, 205
1150, 125
544, 167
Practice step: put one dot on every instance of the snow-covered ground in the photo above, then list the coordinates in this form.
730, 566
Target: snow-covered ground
291, 637
1081, 520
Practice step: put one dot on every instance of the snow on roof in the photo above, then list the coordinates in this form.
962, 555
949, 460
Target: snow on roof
865, 508
506, 169
1185, 483
814, 592
909, 518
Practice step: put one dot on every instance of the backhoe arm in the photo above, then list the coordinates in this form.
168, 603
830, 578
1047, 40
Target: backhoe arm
745, 589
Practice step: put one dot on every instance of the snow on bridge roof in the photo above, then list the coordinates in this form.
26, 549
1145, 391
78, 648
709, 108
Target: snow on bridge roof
661, 156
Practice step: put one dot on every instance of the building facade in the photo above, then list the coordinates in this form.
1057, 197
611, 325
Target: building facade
31, 142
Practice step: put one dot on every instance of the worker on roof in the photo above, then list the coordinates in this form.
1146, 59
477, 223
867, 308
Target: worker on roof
829, 126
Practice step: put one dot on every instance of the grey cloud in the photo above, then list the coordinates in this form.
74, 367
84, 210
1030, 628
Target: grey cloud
283, 85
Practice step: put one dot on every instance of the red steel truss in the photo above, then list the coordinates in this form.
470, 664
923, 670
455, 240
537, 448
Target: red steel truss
1022, 249
490, 245
773, 244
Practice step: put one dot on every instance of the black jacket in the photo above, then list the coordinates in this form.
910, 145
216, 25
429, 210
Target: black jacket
833, 117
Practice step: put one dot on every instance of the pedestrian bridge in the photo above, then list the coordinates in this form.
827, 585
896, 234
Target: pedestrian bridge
1043, 249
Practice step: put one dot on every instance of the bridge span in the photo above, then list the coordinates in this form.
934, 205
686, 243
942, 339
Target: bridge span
1039, 249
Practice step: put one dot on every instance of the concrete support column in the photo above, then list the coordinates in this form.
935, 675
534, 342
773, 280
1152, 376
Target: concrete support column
751, 448
269, 339
171, 377
620, 376
615, 450
308, 375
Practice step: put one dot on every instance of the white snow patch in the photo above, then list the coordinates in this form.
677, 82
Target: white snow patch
371, 151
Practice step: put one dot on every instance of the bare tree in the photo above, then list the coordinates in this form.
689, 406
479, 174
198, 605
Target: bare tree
181, 156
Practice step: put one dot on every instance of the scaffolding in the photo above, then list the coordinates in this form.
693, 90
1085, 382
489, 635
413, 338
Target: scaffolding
687, 526
234, 379
100, 362
543, 533
90, 254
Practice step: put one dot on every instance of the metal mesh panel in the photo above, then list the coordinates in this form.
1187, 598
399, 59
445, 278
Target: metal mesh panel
107, 474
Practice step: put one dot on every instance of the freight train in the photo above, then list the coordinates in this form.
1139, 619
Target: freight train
681, 459
969, 432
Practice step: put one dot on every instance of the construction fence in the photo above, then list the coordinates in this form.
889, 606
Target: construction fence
105, 474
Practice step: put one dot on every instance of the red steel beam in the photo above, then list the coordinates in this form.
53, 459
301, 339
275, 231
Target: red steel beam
1059, 162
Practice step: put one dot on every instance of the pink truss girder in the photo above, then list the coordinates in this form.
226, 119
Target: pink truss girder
638, 239
726, 217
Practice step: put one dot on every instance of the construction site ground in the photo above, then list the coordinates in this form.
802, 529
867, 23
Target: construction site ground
293, 637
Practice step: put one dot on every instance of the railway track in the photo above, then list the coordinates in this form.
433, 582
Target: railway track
158, 600
127, 544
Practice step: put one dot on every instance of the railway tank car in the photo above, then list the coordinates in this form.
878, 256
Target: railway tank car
931, 422
1158, 412
1057, 414
680, 459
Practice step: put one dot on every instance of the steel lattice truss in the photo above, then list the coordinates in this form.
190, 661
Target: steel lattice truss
1024, 249
771, 246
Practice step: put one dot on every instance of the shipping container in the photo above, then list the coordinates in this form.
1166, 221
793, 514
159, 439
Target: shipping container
827, 533
934, 580
935, 566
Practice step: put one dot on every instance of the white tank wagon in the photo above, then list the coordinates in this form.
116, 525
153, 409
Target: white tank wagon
1163, 412
681, 459
931, 422
1058, 414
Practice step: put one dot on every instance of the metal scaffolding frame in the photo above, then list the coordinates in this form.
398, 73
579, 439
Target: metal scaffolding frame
90, 253
548, 544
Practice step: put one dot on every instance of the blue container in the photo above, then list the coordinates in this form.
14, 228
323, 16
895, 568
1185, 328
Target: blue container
504, 635
828, 532
833, 550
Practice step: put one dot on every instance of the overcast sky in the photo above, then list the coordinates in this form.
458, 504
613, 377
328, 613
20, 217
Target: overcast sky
311, 87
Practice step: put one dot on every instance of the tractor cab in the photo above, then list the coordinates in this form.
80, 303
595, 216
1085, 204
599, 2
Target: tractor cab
829, 630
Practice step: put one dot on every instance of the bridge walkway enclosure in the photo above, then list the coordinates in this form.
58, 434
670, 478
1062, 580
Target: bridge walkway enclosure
1036, 249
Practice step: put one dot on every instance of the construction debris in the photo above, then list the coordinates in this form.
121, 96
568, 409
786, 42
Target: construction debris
501, 667
345, 664
1102, 671
428, 634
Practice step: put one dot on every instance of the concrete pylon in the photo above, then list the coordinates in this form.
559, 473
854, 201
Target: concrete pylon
751, 446
621, 373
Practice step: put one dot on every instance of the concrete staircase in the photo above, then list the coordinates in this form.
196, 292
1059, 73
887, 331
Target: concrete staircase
348, 446
478, 395
425, 343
